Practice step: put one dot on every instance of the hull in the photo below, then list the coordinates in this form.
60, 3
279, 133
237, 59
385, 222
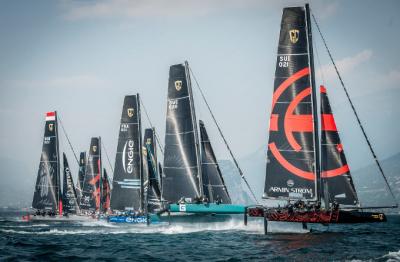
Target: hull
318, 216
70, 218
225, 209
186, 218
151, 219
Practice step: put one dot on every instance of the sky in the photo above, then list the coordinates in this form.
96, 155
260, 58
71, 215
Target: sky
82, 57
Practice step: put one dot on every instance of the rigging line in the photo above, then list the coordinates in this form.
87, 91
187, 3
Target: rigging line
160, 146
69, 142
223, 137
355, 113
108, 159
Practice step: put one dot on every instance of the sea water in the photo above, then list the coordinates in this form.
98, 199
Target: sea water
223, 241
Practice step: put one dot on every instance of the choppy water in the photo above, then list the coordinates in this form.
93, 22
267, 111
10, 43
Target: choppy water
227, 241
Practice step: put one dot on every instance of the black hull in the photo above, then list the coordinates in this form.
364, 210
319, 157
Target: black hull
317, 216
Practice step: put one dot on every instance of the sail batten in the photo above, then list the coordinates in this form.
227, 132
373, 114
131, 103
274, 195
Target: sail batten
127, 192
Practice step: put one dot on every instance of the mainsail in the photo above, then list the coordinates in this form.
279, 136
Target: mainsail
81, 173
291, 171
69, 197
127, 193
47, 195
182, 171
338, 183
105, 192
90, 199
153, 191
213, 183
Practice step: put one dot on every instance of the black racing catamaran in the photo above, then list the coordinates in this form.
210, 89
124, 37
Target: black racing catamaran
296, 149
192, 181
47, 198
49, 201
130, 181
81, 175
153, 181
91, 198
105, 193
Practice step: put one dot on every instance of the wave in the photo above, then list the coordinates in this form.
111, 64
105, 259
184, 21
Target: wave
255, 226
392, 256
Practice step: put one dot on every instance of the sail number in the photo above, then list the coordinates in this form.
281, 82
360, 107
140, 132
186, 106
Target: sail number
284, 61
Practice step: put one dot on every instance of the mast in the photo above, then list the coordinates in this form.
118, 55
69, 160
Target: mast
100, 164
60, 205
196, 132
142, 204
314, 109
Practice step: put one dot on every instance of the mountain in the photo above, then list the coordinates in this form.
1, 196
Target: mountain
15, 189
370, 185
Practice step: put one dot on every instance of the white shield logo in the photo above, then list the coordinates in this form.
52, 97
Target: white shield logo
178, 85
131, 112
294, 35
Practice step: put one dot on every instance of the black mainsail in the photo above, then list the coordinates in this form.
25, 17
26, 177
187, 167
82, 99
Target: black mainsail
182, 169
213, 183
69, 196
105, 193
47, 195
81, 173
153, 191
291, 172
90, 199
127, 192
338, 184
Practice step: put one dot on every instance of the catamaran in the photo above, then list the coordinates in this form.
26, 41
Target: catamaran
135, 193
49, 202
306, 169
192, 182
90, 201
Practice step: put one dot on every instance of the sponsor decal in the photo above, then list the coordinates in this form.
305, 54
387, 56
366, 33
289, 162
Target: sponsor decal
127, 156
290, 183
182, 208
294, 35
124, 127
295, 190
51, 127
172, 104
148, 141
178, 85
130, 112
94, 148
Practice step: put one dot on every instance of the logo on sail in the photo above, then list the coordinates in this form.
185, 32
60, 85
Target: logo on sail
94, 148
51, 127
294, 35
148, 141
178, 85
127, 164
131, 112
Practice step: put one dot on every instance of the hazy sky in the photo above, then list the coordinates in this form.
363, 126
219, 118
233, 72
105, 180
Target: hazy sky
82, 57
